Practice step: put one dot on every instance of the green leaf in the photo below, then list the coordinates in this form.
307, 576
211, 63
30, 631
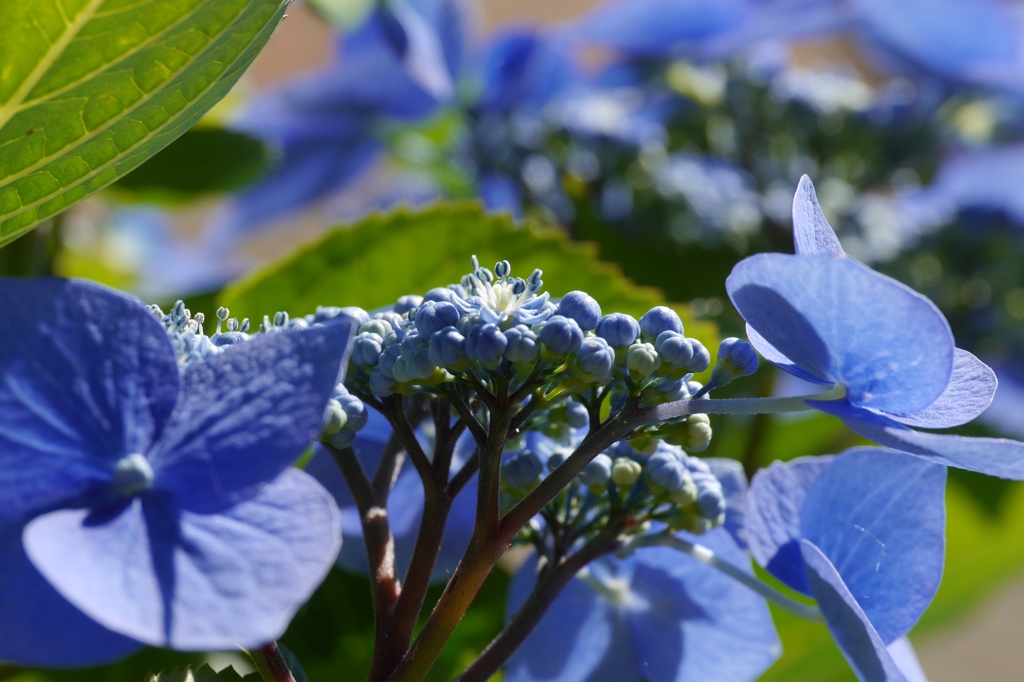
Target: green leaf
202, 161
373, 262
89, 89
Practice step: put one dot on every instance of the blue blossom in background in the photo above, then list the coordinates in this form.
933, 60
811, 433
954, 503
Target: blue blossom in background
864, 535
655, 615
397, 66
828, 319
155, 500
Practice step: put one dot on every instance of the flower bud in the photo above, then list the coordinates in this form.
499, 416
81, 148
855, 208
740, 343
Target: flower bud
334, 418
658, 320
522, 344
521, 471
439, 294
407, 303
355, 410
668, 473
485, 343
736, 358
642, 359
579, 306
561, 335
595, 357
625, 472
618, 329
432, 317
366, 349
386, 362
598, 472
674, 348
577, 415
701, 357
378, 327
698, 433
447, 347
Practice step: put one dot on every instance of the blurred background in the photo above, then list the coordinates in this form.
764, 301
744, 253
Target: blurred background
671, 133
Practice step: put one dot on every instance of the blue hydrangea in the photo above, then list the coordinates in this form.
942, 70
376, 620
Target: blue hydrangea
656, 615
828, 319
136, 490
864, 535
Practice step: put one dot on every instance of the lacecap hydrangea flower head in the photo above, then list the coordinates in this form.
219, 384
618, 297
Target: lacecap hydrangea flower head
148, 496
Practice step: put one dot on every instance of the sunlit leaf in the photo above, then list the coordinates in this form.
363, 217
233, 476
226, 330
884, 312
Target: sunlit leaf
89, 89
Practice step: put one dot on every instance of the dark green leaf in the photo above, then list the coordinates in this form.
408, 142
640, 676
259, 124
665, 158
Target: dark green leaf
90, 89
202, 161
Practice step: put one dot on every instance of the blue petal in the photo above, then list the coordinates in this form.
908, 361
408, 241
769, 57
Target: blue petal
858, 641
730, 474
581, 638
678, 620
880, 518
838, 320
305, 173
772, 355
659, 27
773, 511
811, 231
699, 624
246, 414
192, 581
523, 71
992, 456
906, 660
41, 628
87, 376
969, 393
962, 39
500, 193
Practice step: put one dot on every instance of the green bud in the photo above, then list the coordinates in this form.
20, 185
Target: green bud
625, 472
642, 359
698, 433
378, 327
335, 418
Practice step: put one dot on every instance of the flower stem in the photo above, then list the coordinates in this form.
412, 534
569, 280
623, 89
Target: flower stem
708, 557
680, 408
271, 664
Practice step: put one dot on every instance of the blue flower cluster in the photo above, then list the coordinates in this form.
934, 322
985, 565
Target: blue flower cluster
493, 325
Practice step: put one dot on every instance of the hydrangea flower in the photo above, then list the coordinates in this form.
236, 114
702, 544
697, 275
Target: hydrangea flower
954, 41
149, 500
864, 534
828, 319
398, 65
655, 615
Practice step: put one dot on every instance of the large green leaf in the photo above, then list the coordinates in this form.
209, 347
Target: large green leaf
89, 89
372, 263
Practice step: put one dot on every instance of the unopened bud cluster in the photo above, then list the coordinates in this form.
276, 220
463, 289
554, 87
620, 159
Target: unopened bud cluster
663, 486
493, 326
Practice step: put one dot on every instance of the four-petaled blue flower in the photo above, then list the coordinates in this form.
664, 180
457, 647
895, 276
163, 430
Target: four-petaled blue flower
828, 319
655, 615
147, 501
864, 534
